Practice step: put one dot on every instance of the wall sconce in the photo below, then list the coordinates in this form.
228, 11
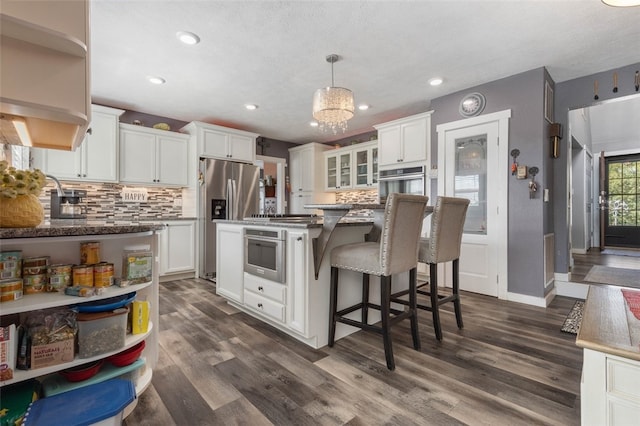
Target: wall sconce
555, 133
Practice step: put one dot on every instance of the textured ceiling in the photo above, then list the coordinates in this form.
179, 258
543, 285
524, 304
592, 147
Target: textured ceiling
272, 53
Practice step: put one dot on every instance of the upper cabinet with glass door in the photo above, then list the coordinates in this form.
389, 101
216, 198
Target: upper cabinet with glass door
338, 170
352, 167
366, 165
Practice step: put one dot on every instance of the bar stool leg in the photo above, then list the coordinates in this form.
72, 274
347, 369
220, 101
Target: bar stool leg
435, 307
333, 305
413, 307
385, 305
365, 298
456, 291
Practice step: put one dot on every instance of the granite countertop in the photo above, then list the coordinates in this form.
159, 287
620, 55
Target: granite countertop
70, 230
298, 224
349, 206
607, 323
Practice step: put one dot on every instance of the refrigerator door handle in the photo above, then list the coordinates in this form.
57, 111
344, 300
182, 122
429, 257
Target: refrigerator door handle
230, 198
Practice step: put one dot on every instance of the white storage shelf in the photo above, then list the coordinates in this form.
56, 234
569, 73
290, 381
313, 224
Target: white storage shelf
66, 250
32, 302
20, 375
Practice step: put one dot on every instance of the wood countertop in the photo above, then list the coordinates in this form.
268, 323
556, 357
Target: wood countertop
608, 325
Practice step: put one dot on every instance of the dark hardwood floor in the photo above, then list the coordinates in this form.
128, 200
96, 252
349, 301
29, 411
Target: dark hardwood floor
510, 365
582, 263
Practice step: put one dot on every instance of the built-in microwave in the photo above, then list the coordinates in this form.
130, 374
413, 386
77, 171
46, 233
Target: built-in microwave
264, 253
408, 180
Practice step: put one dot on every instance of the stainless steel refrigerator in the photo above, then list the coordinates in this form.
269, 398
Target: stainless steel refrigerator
228, 191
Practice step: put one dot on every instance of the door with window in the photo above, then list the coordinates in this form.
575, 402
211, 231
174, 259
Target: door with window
469, 159
622, 191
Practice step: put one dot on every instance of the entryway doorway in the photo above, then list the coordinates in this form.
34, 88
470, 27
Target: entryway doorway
620, 201
470, 153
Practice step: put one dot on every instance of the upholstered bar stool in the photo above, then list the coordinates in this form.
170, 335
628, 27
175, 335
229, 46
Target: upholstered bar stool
396, 252
443, 245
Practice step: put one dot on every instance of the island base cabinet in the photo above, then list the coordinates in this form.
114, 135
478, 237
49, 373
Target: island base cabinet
609, 390
230, 262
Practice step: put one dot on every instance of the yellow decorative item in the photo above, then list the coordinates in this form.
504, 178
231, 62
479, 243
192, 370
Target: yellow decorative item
24, 211
19, 203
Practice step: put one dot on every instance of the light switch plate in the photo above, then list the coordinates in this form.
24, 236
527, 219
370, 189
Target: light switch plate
546, 195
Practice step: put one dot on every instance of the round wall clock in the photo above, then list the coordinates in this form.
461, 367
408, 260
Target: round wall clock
472, 104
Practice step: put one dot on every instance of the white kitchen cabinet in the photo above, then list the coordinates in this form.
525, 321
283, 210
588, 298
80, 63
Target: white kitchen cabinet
306, 177
338, 170
230, 261
222, 142
96, 160
45, 69
352, 167
297, 273
151, 156
365, 165
65, 248
178, 247
406, 140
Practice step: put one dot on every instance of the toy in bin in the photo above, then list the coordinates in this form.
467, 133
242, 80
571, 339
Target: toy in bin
99, 404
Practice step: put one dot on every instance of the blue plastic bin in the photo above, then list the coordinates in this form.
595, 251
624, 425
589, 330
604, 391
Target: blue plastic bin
99, 404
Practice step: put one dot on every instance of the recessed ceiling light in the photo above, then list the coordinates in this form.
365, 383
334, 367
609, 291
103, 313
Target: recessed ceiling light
363, 107
188, 38
156, 80
251, 107
313, 123
436, 81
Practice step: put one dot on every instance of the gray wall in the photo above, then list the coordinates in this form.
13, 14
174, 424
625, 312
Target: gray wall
528, 219
574, 94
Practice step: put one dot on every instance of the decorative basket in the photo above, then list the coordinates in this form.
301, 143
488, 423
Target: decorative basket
24, 211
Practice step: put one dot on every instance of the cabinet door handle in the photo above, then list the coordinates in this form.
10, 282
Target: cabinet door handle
260, 288
260, 305
79, 175
299, 239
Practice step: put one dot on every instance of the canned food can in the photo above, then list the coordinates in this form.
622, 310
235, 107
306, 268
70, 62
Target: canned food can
83, 275
60, 269
40, 279
10, 285
9, 265
29, 262
102, 274
90, 253
34, 270
57, 283
11, 295
33, 289
10, 273
63, 280
10, 255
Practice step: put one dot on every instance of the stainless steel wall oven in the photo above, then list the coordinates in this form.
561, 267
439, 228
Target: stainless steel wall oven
264, 253
410, 180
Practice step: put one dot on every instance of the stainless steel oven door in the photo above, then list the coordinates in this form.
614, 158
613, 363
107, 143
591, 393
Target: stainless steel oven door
410, 180
264, 254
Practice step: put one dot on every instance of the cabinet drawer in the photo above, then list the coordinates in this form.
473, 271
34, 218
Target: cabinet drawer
265, 306
265, 288
623, 378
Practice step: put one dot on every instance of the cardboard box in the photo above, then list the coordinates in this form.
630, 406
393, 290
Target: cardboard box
8, 351
52, 353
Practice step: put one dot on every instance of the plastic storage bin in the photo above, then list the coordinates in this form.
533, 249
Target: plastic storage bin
101, 404
101, 332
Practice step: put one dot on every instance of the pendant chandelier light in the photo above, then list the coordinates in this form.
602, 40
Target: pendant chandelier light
333, 106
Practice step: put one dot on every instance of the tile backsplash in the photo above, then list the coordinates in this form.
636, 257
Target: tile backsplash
104, 203
364, 196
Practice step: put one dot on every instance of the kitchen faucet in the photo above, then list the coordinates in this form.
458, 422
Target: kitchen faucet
58, 186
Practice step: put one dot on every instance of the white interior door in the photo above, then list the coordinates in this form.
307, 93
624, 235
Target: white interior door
472, 163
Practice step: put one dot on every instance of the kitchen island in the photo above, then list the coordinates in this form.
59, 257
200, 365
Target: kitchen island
298, 306
62, 245
610, 336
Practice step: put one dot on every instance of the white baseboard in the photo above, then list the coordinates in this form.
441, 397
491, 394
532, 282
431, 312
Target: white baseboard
529, 300
579, 250
570, 289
